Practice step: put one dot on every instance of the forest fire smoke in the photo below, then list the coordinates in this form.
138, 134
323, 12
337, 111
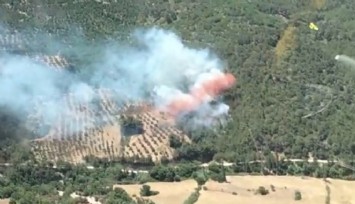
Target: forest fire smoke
156, 67
202, 92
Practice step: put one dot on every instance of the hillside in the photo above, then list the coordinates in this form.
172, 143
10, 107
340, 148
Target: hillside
292, 98
291, 111
286, 71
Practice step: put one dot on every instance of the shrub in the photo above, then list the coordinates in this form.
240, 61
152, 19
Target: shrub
177, 178
262, 190
298, 195
220, 177
200, 180
193, 196
174, 141
145, 191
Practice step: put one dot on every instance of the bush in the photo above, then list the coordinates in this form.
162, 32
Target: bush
131, 126
193, 196
174, 142
262, 190
298, 195
145, 191
186, 170
220, 177
144, 201
200, 180
118, 195
177, 178
143, 178
162, 173
217, 173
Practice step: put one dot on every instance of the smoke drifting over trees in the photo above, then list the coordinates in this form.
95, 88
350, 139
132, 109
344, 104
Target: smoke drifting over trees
157, 70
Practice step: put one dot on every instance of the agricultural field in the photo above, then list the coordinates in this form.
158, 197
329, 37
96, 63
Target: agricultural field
86, 131
242, 189
174, 193
154, 142
106, 140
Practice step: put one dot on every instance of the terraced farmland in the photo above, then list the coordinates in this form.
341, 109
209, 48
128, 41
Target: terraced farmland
92, 128
82, 130
154, 142
15, 43
56, 62
97, 132
12, 42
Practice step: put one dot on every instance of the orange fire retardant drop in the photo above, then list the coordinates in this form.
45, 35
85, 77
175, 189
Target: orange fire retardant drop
209, 88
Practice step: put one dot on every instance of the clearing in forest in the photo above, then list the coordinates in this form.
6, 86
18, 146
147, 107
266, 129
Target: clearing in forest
241, 189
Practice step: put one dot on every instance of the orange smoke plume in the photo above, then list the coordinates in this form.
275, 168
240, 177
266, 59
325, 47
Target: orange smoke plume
207, 89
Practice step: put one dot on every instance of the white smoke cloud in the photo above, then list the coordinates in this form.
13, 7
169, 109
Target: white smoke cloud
345, 59
161, 64
82, 92
22, 80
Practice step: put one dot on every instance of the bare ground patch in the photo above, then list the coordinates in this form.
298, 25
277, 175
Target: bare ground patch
4, 201
241, 189
172, 193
